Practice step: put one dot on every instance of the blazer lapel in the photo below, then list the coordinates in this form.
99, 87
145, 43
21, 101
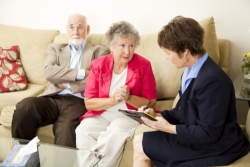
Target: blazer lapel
63, 58
87, 56
107, 75
132, 66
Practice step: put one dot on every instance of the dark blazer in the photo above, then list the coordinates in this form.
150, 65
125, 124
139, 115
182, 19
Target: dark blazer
57, 67
206, 121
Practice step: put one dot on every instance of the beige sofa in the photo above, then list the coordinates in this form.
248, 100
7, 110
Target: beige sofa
33, 45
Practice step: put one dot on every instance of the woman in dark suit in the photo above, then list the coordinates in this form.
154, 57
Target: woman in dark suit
202, 129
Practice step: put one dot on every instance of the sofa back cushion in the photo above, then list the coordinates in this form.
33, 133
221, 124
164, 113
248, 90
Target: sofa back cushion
98, 39
167, 76
33, 46
210, 38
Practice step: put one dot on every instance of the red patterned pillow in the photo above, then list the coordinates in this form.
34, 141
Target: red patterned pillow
12, 76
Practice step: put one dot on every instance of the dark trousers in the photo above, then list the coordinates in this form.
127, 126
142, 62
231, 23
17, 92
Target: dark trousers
61, 110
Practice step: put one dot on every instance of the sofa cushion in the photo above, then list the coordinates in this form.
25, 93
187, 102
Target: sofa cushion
167, 76
61, 38
9, 100
45, 134
210, 38
33, 48
98, 39
164, 104
6, 116
5, 144
12, 76
224, 48
12, 98
242, 162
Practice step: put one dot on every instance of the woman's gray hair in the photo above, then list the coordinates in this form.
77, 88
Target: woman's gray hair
122, 29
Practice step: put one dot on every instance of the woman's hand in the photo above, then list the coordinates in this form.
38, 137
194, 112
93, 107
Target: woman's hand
87, 73
148, 111
122, 93
161, 124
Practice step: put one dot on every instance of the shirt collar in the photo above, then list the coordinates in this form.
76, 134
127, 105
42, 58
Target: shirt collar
72, 48
193, 72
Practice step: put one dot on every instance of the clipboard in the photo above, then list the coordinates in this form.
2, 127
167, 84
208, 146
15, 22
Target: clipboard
136, 115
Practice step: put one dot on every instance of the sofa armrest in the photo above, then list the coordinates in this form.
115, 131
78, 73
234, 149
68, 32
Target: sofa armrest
247, 132
243, 127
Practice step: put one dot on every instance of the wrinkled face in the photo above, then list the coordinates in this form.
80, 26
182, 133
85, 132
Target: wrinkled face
175, 58
123, 50
77, 30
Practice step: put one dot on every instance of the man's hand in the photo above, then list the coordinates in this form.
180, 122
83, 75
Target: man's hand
63, 85
87, 73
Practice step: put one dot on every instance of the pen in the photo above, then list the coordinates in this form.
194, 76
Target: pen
149, 103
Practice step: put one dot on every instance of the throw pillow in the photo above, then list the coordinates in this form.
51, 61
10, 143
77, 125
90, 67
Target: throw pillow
12, 76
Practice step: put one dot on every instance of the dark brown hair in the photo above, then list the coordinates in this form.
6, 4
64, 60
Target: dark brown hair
182, 33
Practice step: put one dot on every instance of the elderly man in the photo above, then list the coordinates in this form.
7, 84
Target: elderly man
62, 102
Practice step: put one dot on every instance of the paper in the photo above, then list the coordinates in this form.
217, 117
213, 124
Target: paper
30, 148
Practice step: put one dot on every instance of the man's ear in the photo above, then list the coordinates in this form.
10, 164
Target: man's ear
88, 29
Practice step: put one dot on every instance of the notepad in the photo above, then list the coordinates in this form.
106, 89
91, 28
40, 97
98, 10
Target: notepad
137, 115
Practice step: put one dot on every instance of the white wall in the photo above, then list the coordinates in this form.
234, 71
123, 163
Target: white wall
232, 17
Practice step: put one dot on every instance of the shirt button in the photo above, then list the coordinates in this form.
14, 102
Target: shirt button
179, 107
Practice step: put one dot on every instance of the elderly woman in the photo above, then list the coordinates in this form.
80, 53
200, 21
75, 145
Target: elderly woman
202, 129
122, 79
